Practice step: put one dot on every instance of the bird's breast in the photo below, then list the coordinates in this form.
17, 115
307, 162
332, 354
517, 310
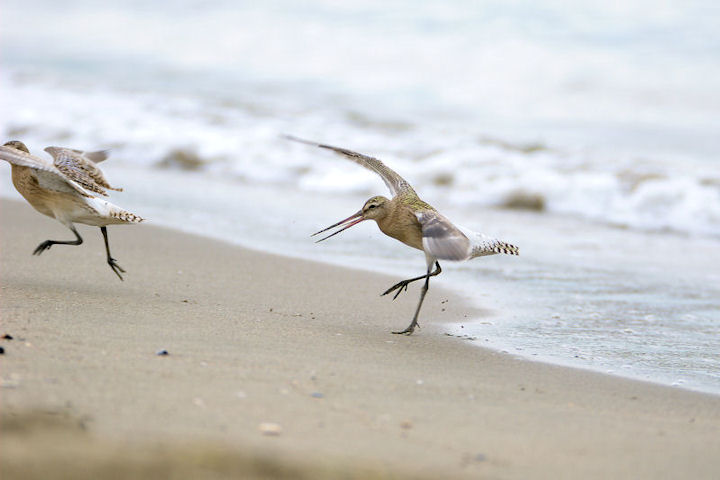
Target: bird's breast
403, 225
27, 185
54, 204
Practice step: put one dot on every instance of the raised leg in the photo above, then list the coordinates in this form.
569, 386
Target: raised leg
411, 328
111, 261
402, 286
49, 243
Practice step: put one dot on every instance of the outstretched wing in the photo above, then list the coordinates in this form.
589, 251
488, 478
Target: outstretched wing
441, 238
24, 159
394, 182
47, 173
80, 167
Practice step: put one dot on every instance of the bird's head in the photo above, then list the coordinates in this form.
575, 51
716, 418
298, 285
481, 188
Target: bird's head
375, 208
17, 145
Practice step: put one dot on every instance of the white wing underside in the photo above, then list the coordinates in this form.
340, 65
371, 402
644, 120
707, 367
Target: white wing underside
45, 171
56, 183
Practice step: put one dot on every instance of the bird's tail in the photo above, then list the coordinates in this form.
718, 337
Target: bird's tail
490, 246
482, 245
506, 248
115, 214
124, 216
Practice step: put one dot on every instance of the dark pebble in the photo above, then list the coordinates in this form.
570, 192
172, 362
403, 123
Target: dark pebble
2, 351
162, 352
317, 395
7, 336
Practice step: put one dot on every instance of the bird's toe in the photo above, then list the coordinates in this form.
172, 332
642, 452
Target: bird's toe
42, 247
116, 268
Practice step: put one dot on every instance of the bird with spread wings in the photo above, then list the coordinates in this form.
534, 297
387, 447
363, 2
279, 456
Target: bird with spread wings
415, 223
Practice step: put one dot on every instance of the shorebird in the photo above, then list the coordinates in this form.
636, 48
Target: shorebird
61, 190
405, 217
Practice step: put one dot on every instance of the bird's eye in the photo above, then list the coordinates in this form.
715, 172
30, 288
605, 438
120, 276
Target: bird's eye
371, 206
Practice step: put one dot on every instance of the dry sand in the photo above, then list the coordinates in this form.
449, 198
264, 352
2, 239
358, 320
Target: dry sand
255, 338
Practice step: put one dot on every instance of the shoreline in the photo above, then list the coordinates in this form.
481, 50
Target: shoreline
520, 324
310, 350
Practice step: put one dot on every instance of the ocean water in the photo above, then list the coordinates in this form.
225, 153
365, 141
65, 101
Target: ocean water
587, 134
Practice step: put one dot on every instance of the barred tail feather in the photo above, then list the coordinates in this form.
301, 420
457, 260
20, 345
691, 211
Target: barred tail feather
482, 245
506, 248
112, 214
489, 246
125, 216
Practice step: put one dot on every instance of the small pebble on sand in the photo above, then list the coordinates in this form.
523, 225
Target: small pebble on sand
162, 352
271, 429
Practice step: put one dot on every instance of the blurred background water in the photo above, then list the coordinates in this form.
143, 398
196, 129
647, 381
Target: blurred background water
584, 132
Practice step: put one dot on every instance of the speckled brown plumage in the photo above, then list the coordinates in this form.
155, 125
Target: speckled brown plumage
78, 166
62, 190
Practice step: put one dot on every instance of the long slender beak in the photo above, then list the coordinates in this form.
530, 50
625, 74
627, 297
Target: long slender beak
347, 223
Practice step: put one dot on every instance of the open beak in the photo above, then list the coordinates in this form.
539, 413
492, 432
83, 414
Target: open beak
347, 223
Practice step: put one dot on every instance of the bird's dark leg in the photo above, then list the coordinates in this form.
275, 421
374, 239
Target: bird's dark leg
49, 243
411, 328
111, 261
402, 286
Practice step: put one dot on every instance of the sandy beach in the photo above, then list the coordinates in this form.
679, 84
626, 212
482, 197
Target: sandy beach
256, 339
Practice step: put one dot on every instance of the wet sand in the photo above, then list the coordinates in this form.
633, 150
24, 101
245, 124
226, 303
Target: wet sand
255, 338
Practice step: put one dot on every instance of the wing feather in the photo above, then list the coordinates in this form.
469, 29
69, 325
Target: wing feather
95, 157
80, 167
394, 182
441, 238
47, 173
23, 159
